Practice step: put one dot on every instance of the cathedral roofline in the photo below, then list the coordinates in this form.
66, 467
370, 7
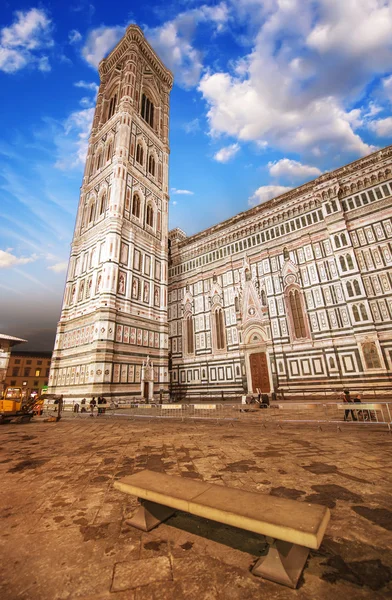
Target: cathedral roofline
322, 182
135, 34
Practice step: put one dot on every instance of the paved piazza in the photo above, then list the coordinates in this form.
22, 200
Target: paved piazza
64, 532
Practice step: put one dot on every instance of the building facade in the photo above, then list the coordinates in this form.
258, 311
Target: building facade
29, 371
6, 344
292, 295
112, 337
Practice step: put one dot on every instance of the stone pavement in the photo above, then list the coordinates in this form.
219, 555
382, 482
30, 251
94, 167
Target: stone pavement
64, 533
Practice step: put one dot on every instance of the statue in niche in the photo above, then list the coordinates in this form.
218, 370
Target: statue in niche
121, 284
135, 288
286, 254
248, 275
145, 292
156, 297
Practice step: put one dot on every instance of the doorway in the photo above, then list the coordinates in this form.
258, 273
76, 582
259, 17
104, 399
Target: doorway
145, 395
259, 372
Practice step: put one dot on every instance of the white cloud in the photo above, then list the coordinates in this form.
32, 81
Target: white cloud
309, 62
99, 43
382, 127
21, 42
292, 169
59, 267
7, 259
181, 192
267, 192
174, 202
72, 145
74, 36
173, 41
192, 126
87, 85
225, 154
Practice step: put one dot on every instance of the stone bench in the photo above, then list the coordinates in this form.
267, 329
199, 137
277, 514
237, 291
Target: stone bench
291, 527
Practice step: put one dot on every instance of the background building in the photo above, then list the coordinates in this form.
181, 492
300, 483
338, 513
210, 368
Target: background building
6, 344
29, 371
294, 294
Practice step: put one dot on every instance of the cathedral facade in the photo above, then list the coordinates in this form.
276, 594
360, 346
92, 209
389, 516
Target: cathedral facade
292, 295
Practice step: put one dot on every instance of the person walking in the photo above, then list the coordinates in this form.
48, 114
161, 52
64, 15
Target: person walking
92, 406
347, 398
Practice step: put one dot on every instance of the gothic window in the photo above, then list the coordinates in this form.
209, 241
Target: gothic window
99, 161
337, 241
139, 154
343, 239
190, 347
149, 216
109, 152
357, 289
151, 165
363, 312
147, 111
112, 106
219, 329
136, 205
349, 289
297, 314
91, 214
356, 314
343, 265
102, 206
350, 263
159, 221
370, 354
286, 254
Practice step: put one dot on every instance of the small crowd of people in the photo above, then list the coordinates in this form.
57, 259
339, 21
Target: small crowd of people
356, 415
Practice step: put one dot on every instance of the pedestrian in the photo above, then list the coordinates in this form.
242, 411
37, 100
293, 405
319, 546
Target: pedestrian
83, 404
99, 402
347, 398
103, 401
92, 406
362, 415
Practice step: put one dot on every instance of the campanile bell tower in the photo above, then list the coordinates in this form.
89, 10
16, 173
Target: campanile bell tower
114, 316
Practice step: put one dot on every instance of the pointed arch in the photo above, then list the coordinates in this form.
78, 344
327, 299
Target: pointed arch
149, 215
136, 206
297, 313
219, 325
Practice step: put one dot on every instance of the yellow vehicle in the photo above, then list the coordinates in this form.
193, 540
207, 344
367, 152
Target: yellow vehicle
12, 405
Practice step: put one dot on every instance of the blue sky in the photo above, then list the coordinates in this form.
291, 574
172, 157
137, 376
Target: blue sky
268, 94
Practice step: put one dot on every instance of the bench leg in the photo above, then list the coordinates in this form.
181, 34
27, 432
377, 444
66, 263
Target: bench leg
149, 515
284, 563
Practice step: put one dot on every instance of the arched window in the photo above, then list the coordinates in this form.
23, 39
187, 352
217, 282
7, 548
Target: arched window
219, 329
344, 239
139, 154
357, 289
350, 263
151, 165
91, 214
363, 312
136, 206
349, 289
342, 263
149, 216
190, 347
370, 354
99, 161
356, 314
112, 106
297, 314
102, 206
147, 111
337, 241
109, 152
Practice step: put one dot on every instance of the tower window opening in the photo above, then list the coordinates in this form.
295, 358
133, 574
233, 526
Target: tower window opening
139, 154
147, 111
151, 165
136, 206
149, 216
112, 106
